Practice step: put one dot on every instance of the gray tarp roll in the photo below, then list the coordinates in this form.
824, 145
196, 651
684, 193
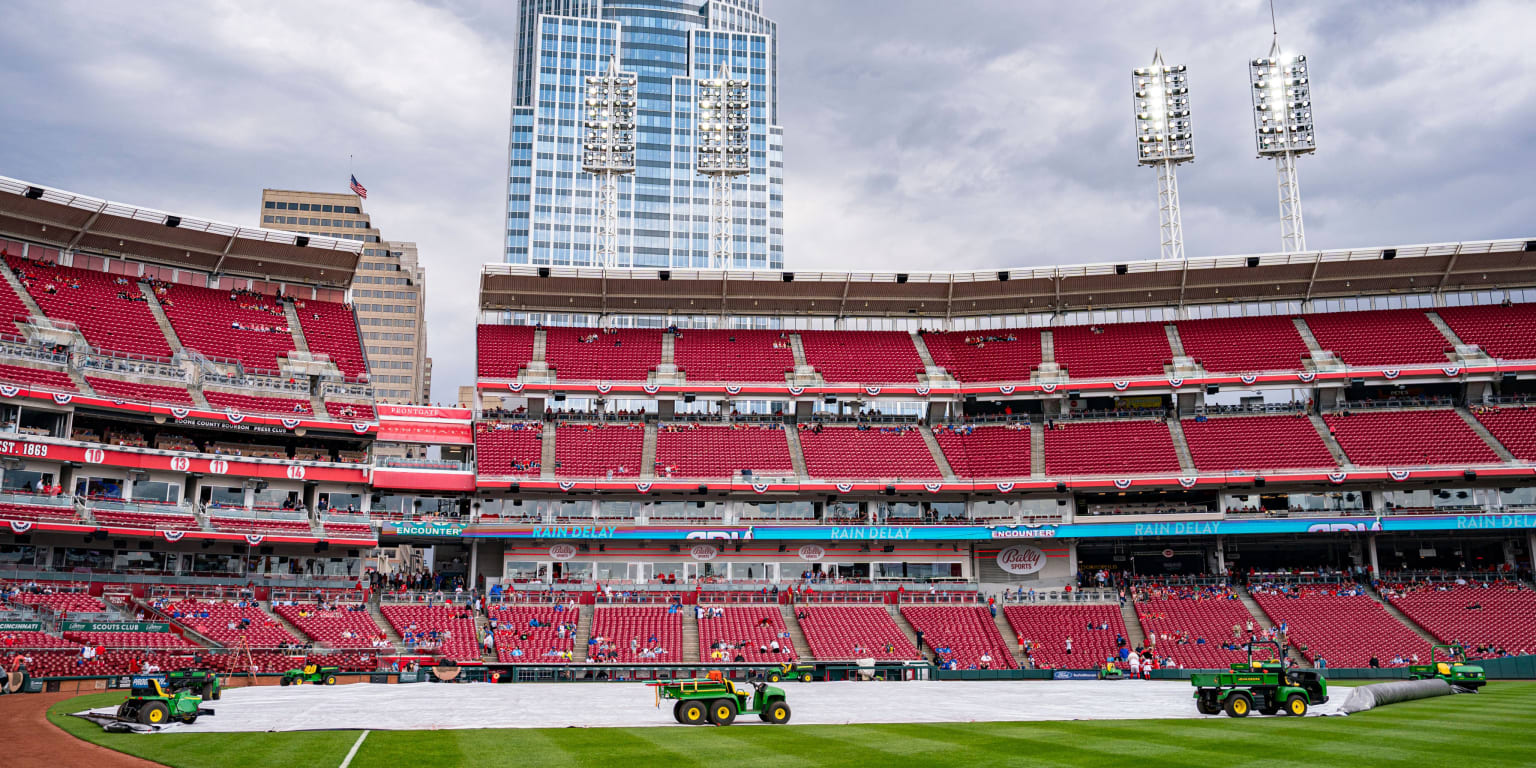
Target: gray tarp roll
1366, 697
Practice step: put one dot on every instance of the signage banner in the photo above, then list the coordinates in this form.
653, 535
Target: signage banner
428, 529
116, 626
1074, 674
21, 626
1021, 559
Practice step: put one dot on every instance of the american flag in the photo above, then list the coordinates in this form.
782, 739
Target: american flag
361, 190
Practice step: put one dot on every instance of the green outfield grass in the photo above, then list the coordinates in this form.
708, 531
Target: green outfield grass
1492, 728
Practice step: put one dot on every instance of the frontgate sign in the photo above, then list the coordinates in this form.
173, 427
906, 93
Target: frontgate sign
21, 626
116, 626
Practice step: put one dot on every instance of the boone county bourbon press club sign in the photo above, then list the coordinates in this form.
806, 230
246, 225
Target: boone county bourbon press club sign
1021, 559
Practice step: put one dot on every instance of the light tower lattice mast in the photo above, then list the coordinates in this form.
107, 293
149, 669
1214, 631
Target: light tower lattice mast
1164, 140
608, 151
723, 153
1282, 123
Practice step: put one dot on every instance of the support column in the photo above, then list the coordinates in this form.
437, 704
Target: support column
474, 564
1370, 543
1530, 549
1221, 556
1072, 562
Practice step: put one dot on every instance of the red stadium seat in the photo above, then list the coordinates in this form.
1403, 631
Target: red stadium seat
1514, 428
629, 629
986, 452
596, 354
331, 329
245, 326
967, 631
690, 450
343, 626
1507, 333
539, 645
140, 393
847, 632
504, 349
46, 378
1398, 438
747, 629
508, 448
277, 406
1177, 615
228, 622
459, 639
1109, 447
92, 300
873, 453
1345, 630
873, 357
1003, 354
1244, 344
1381, 337
733, 355
1047, 628
1112, 349
1251, 443
597, 451
1496, 614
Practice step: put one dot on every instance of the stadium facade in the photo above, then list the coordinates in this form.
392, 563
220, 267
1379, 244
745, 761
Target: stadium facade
664, 205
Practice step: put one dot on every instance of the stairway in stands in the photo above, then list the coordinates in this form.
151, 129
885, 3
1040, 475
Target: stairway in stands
161, 320
796, 637
547, 451
1261, 620
1329, 440
901, 623
648, 448
384, 626
1482, 431
1395, 613
283, 622
690, 637
1010, 639
1133, 632
583, 631
796, 453
1180, 446
938, 453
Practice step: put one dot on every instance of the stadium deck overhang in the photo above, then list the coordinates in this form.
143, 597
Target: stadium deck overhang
1442, 267
77, 222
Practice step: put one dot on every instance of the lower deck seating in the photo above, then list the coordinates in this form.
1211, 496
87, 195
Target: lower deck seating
229, 622
1044, 629
963, 634
986, 452
872, 452
630, 633
130, 639
47, 378
60, 602
591, 450
350, 411
342, 626
553, 641
747, 631
1341, 625
692, 450
140, 393
38, 513
447, 630
508, 448
262, 525
13, 640
1486, 617
283, 406
845, 632
1514, 428
147, 520
1191, 625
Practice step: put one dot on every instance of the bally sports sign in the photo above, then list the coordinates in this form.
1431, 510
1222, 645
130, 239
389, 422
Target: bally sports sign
1021, 559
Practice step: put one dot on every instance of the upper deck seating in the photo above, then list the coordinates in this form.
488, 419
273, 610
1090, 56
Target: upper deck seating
95, 302
1112, 349
598, 451
1380, 337
1514, 428
243, 325
1408, 438
1252, 443
873, 357
1001, 354
504, 349
282, 406
1504, 332
331, 329
602, 354
508, 447
729, 355
986, 452
1109, 447
1244, 344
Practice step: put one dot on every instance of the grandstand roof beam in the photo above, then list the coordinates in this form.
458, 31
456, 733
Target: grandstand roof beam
1183, 282
842, 309
219, 265
1450, 266
86, 227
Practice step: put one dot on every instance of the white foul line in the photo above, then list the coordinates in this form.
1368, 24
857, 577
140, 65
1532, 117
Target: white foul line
353, 753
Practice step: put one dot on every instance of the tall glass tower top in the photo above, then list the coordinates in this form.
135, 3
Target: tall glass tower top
664, 215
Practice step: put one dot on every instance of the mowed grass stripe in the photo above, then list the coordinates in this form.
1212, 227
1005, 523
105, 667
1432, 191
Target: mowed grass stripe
1465, 731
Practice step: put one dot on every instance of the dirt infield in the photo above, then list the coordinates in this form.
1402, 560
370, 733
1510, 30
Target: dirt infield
36, 743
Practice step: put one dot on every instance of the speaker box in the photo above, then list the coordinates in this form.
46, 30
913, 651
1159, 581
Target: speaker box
1121, 269
789, 277
1258, 482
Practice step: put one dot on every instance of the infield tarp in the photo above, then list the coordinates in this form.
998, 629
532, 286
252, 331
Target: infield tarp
1364, 697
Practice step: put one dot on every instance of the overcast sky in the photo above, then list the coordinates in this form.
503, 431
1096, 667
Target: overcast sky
919, 134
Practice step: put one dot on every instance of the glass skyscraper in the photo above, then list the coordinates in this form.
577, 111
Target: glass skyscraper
664, 212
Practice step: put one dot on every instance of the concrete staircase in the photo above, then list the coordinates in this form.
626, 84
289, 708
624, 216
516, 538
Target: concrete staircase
938, 453
1306, 334
690, 638
21, 291
1328, 440
922, 350
1010, 639
1133, 634
292, 628
300, 343
79, 379
1261, 619
583, 631
1400, 616
1180, 446
906, 629
161, 320
540, 343
796, 636
1174, 342
648, 451
796, 454
483, 628
797, 347
1047, 347
1482, 431
1445, 330
668, 344
384, 625
1036, 450
547, 452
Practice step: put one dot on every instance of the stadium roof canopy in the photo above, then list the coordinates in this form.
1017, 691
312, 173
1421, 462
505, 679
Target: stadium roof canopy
77, 222
1442, 267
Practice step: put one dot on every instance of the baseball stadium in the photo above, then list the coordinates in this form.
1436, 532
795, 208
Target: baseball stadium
1274, 508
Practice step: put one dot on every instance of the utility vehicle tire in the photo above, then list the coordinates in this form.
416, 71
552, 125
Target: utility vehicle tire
1296, 705
1206, 707
1239, 705
330, 679
695, 713
773, 677
285, 682
722, 711
677, 713
154, 713
806, 677
778, 712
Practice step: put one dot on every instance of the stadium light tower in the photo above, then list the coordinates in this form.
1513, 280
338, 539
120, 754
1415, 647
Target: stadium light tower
723, 154
1164, 140
608, 151
1282, 124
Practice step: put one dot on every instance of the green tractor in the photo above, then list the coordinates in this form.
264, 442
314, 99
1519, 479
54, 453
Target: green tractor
718, 701
150, 703
1452, 668
805, 673
1266, 685
203, 682
313, 674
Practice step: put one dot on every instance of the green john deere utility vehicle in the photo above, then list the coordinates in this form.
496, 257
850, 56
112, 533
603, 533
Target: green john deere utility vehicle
1449, 663
203, 682
718, 701
805, 673
313, 674
150, 703
1265, 685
